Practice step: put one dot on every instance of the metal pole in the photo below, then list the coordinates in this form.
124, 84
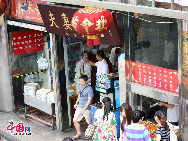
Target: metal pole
129, 38
172, 4
179, 70
141, 107
131, 96
67, 78
153, 3
136, 2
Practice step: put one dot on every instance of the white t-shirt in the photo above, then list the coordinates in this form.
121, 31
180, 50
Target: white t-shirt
102, 67
173, 114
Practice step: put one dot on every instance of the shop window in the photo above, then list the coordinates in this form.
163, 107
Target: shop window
153, 52
156, 41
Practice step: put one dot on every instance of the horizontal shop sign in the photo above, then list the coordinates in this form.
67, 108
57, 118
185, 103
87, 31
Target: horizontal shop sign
57, 20
153, 76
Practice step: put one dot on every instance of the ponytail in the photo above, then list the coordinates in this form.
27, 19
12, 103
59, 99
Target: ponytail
164, 123
128, 112
107, 107
161, 116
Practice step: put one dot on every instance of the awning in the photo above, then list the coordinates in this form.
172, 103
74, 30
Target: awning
57, 20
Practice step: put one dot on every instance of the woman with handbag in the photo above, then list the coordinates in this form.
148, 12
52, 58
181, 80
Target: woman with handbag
105, 123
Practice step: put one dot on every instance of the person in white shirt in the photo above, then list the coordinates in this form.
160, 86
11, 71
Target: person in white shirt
172, 113
83, 67
115, 52
102, 66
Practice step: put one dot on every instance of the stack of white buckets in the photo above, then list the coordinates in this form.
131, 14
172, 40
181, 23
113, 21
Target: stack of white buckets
45, 95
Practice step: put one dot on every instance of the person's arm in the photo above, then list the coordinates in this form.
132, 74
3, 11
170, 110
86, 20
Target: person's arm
121, 132
95, 118
77, 101
170, 106
87, 104
114, 129
91, 63
158, 137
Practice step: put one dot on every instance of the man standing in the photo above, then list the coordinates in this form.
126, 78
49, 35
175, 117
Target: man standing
115, 52
136, 131
82, 105
172, 113
102, 66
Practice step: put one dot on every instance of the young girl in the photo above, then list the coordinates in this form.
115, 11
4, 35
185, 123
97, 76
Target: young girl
105, 122
163, 131
126, 112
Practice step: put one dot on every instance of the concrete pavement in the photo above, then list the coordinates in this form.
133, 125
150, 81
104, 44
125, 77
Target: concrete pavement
39, 132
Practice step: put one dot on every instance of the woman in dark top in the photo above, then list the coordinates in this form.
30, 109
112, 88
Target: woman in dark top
163, 131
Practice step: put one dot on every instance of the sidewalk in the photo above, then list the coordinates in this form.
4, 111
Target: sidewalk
2, 139
39, 132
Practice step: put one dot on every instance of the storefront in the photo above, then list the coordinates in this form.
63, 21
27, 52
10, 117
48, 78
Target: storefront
32, 64
74, 46
149, 66
152, 58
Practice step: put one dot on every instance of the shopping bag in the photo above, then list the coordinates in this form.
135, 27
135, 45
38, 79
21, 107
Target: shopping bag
90, 131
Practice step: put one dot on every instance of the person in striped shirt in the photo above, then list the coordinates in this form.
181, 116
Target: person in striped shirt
163, 131
136, 131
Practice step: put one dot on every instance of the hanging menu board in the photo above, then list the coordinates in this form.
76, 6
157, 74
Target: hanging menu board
27, 41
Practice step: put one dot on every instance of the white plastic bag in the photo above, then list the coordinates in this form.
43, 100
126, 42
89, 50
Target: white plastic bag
173, 136
42, 63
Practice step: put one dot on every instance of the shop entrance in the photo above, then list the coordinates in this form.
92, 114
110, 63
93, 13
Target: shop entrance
32, 78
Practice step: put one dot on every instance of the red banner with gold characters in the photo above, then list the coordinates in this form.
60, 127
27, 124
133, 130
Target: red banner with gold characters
26, 10
153, 76
57, 20
27, 41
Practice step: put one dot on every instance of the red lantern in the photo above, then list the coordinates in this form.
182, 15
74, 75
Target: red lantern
92, 22
3, 6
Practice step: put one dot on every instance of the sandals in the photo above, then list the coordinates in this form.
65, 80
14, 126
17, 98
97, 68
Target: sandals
76, 137
86, 138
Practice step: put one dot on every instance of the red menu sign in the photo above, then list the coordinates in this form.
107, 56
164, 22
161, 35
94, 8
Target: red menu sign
27, 41
153, 76
26, 10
